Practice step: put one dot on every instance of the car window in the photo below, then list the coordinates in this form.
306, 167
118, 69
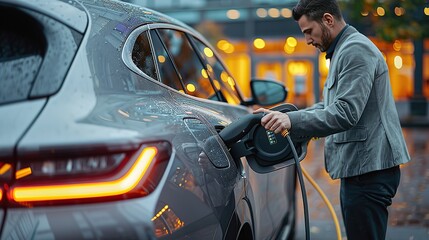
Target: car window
35, 55
167, 71
21, 54
222, 80
142, 55
189, 65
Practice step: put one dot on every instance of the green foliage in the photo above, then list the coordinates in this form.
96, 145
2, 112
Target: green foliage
400, 19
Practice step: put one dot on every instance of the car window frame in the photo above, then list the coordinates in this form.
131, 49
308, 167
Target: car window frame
176, 70
129, 43
205, 62
44, 83
152, 50
200, 60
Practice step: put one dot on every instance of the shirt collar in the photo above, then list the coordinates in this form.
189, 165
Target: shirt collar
331, 48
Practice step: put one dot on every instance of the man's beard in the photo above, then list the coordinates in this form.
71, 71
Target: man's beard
326, 39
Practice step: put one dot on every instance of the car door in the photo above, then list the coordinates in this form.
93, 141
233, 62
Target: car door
268, 199
215, 177
204, 77
206, 92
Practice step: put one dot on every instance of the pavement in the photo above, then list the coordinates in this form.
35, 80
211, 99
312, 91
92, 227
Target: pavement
409, 213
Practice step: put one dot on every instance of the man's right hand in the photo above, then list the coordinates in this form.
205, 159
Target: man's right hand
274, 121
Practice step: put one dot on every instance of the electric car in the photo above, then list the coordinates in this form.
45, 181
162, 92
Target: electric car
110, 117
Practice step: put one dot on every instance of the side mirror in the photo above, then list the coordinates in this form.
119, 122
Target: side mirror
267, 92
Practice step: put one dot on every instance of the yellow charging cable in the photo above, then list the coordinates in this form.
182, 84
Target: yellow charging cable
326, 200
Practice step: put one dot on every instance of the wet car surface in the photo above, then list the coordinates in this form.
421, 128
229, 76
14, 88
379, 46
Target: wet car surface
109, 129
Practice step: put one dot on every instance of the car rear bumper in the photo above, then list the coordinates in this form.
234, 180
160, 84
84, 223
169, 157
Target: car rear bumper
115, 220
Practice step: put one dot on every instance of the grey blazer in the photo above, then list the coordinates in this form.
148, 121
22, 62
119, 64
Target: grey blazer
358, 115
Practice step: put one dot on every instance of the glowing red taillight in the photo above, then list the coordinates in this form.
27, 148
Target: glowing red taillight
89, 178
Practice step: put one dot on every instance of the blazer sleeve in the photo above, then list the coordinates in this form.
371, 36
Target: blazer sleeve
348, 94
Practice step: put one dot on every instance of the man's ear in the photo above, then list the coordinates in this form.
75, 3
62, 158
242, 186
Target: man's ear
328, 19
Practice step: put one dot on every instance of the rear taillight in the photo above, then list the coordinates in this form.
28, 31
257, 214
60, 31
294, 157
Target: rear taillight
85, 177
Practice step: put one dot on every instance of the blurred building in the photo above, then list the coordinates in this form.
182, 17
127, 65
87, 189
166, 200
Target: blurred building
260, 39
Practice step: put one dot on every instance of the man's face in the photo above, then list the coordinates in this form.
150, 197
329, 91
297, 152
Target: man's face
315, 33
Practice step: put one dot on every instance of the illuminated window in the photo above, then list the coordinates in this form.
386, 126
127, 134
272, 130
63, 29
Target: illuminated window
188, 64
166, 67
233, 14
259, 43
217, 71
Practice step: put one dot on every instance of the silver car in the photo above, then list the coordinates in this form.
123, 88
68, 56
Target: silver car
110, 116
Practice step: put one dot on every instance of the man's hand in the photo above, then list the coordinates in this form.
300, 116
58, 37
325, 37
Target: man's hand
274, 121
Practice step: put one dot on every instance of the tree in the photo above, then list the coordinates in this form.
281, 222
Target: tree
391, 19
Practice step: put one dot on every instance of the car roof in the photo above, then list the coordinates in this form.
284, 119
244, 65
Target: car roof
67, 12
74, 12
137, 15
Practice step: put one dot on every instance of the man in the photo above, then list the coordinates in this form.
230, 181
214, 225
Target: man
364, 144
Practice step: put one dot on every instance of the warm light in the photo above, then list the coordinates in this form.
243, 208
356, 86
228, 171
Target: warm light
233, 14
168, 217
216, 84
261, 12
208, 52
291, 41
364, 14
399, 11
22, 173
426, 11
397, 45
204, 73
224, 76
190, 87
398, 62
286, 12
165, 208
380, 11
297, 68
225, 46
222, 44
230, 49
231, 82
274, 12
323, 64
5, 168
288, 49
259, 43
88, 190
161, 59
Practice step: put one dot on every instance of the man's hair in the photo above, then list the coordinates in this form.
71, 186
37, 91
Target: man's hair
314, 9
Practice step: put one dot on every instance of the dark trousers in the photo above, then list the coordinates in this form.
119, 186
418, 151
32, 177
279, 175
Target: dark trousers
364, 202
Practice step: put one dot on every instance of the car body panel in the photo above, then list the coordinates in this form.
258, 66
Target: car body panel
17, 117
104, 101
